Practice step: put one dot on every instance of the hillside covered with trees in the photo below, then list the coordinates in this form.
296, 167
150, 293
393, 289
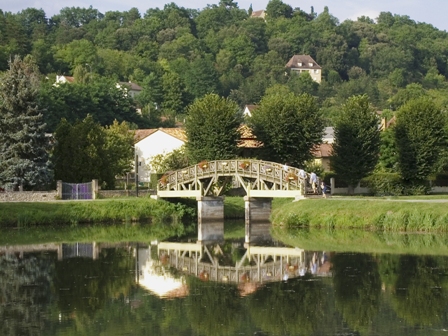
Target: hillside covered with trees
178, 54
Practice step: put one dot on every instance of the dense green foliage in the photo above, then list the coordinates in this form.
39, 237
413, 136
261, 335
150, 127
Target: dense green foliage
421, 138
289, 126
180, 54
24, 158
212, 129
100, 97
86, 151
357, 141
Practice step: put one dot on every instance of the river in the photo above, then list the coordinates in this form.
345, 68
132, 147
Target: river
180, 287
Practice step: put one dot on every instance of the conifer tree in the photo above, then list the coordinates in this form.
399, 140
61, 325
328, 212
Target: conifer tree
24, 158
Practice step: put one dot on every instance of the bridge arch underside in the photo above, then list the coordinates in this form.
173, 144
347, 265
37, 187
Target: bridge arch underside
214, 178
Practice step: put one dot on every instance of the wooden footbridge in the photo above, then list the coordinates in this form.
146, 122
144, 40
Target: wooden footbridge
213, 178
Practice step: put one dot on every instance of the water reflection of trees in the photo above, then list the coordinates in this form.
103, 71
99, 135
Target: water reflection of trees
288, 308
357, 286
25, 288
213, 308
85, 284
419, 296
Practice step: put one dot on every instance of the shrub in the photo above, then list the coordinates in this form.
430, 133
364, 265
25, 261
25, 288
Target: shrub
385, 184
418, 187
440, 180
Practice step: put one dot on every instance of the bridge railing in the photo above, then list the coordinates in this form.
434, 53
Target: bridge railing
268, 171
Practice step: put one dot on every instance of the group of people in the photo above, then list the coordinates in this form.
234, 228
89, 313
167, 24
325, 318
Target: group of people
314, 181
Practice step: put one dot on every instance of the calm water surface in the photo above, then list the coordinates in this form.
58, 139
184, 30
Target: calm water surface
179, 288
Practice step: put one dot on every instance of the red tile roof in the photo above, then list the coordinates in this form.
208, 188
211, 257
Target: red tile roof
323, 150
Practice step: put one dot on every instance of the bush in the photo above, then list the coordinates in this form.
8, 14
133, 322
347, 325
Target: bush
391, 184
440, 180
419, 187
154, 180
327, 176
385, 184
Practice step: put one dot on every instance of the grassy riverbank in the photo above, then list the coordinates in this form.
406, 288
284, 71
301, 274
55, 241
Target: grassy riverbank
99, 211
372, 214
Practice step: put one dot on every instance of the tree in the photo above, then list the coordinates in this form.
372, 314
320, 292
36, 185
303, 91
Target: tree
387, 161
421, 138
78, 155
289, 126
102, 98
276, 9
24, 159
173, 94
86, 151
303, 83
177, 159
212, 128
119, 151
357, 141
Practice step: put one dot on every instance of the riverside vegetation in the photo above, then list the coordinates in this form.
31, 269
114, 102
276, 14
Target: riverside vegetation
111, 211
373, 214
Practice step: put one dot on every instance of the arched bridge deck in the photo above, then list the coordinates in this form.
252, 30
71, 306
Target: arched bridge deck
213, 178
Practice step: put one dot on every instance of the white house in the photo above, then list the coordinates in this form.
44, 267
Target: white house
328, 136
151, 142
305, 63
132, 89
63, 79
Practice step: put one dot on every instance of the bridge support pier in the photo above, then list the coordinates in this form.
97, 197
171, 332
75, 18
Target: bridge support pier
257, 213
210, 218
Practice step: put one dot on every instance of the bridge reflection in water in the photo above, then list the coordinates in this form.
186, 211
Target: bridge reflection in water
162, 267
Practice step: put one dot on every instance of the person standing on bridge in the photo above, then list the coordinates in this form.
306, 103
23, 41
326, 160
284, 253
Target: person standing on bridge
313, 182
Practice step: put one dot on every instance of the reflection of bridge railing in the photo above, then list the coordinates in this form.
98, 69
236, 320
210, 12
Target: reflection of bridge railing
271, 263
63, 250
258, 178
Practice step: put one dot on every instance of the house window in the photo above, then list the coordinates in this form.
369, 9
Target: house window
299, 64
316, 71
310, 64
